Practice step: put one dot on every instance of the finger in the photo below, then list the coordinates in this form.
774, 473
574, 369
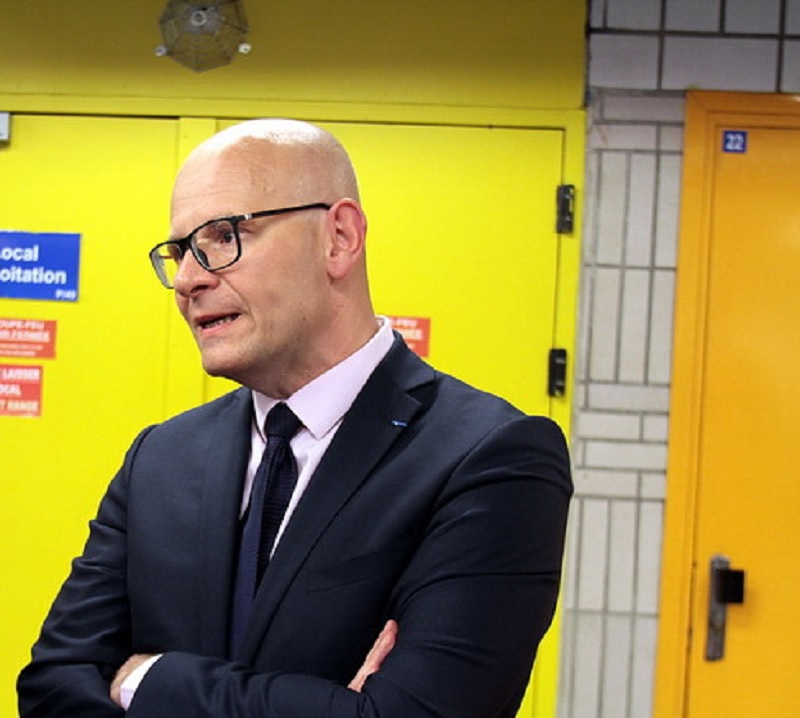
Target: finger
376, 656
124, 671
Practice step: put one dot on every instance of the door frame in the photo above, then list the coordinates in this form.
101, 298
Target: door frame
706, 113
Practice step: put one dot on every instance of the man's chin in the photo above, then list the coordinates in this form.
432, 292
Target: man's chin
219, 369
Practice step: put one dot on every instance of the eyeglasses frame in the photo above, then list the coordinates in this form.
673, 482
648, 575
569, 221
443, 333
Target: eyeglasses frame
187, 243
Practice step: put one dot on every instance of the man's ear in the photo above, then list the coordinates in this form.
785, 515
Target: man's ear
347, 235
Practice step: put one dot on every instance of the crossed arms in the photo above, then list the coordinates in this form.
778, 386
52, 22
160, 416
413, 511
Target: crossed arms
473, 595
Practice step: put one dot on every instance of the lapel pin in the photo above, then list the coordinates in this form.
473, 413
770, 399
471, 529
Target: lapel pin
396, 422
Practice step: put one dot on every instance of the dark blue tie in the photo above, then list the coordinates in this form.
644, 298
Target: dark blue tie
272, 488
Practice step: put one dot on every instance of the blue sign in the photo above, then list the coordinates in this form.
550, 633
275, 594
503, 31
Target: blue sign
39, 265
734, 141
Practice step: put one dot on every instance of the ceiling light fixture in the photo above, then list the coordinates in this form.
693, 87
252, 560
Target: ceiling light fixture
203, 35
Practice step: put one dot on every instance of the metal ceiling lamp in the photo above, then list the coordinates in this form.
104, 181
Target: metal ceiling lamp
203, 35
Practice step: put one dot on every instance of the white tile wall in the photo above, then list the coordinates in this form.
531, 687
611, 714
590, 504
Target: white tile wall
624, 137
649, 557
593, 555
659, 367
634, 324
790, 75
597, 13
622, 569
746, 16
588, 665
569, 589
670, 139
634, 14
623, 61
616, 666
628, 398
640, 109
605, 324
692, 15
644, 649
625, 455
667, 201
643, 55
607, 425
605, 483
641, 210
792, 17
653, 486
655, 428
612, 207
736, 64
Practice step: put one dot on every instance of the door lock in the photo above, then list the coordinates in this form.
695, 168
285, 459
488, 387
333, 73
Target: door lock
726, 586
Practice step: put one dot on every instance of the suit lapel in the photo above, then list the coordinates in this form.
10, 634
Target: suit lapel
227, 439
380, 414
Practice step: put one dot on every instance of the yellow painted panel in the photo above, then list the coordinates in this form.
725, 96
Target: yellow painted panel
469, 53
462, 232
107, 179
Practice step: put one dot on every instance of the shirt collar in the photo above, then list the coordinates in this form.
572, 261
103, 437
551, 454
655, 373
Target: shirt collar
322, 403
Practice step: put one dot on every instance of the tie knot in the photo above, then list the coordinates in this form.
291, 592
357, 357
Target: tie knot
282, 422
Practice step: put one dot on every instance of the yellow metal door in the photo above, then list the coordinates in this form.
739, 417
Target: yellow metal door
108, 180
462, 236
733, 485
462, 232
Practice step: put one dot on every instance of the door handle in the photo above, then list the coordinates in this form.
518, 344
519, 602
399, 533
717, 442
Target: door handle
726, 586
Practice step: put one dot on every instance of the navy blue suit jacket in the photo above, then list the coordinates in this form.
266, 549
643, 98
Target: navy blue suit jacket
437, 505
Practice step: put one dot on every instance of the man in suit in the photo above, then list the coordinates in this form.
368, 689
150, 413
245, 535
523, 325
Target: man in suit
424, 512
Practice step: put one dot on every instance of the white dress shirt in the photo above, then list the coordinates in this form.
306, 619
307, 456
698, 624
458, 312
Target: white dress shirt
320, 405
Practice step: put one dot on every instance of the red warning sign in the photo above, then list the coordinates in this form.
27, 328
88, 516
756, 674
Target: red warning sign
20, 390
27, 338
416, 331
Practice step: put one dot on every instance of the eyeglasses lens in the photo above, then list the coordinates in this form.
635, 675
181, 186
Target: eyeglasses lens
214, 246
166, 258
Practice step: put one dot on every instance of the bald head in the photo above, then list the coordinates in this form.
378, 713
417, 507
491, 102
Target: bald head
290, 160
295, 301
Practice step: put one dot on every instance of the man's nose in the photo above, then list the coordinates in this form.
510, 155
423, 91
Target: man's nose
192, 276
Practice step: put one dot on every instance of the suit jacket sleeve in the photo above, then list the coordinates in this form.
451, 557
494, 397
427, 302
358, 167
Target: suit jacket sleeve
86, 636
472, 604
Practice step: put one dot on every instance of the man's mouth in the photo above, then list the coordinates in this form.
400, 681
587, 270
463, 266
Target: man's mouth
217, 321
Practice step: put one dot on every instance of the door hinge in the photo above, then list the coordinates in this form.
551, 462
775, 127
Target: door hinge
565, 208
557, 372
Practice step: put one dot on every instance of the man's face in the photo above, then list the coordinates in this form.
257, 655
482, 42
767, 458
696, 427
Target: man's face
261, 320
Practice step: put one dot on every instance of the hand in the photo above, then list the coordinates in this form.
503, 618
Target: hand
377, 654
125, 670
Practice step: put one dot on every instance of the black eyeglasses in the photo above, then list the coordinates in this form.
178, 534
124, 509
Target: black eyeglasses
214, 244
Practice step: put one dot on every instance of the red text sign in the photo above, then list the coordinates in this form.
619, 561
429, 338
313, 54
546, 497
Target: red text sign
20, 390
27, 338
416, 331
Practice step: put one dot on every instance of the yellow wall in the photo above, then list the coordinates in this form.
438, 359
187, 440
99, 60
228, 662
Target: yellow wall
511, 63
518, 54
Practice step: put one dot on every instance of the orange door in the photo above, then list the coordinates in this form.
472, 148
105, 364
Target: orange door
733, 484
